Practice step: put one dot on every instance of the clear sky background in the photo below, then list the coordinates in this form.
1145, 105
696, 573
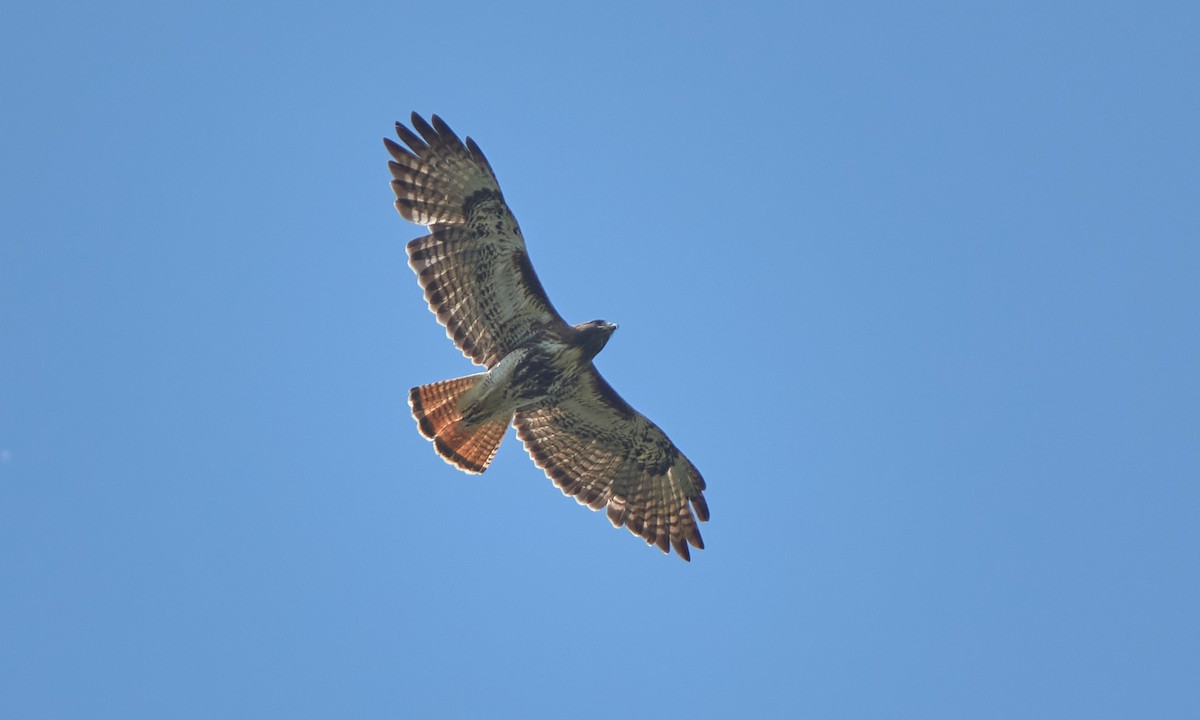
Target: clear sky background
915, 285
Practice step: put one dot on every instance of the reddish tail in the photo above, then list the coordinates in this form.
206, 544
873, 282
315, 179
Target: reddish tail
467, 446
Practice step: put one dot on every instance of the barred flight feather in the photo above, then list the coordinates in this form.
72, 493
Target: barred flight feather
592, 452
467, 446
478, 280
473, 267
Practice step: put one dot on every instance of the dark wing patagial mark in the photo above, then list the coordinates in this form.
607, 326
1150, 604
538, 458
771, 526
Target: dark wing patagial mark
477, 278
599, 450
473, 265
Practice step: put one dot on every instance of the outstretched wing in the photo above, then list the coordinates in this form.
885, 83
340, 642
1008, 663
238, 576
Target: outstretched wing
601, 451
473, 265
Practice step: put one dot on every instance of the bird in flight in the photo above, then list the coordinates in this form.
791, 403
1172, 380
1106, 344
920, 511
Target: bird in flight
539, 374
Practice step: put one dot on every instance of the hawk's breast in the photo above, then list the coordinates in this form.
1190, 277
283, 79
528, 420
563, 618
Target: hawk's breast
546, 372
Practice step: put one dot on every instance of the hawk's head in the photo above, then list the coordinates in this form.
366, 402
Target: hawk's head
594, 335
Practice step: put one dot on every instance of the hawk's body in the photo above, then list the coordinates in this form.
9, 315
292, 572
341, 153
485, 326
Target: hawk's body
540, 377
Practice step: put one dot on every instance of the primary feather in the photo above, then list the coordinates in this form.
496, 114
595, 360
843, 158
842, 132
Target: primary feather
479, 281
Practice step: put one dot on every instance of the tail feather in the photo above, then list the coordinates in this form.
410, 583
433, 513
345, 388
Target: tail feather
467, 446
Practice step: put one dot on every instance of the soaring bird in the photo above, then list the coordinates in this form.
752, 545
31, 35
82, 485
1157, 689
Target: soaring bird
539, 373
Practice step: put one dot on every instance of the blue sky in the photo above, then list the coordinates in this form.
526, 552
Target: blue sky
914, 285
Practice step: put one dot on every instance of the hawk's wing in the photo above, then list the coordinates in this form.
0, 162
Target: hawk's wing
473, 266
597, 448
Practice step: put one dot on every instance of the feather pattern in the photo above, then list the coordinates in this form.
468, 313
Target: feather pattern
478, 280
599, 450
468, 446
473, 266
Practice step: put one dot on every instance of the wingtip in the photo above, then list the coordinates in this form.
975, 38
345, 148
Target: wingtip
398, 152
663, 541
681, 549
423, 127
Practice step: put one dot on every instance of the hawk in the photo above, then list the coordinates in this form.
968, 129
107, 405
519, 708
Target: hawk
539, 373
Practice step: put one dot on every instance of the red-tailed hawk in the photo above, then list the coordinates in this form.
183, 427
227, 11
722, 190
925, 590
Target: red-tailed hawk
540, 377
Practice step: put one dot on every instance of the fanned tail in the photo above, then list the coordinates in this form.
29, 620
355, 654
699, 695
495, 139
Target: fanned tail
467, 446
